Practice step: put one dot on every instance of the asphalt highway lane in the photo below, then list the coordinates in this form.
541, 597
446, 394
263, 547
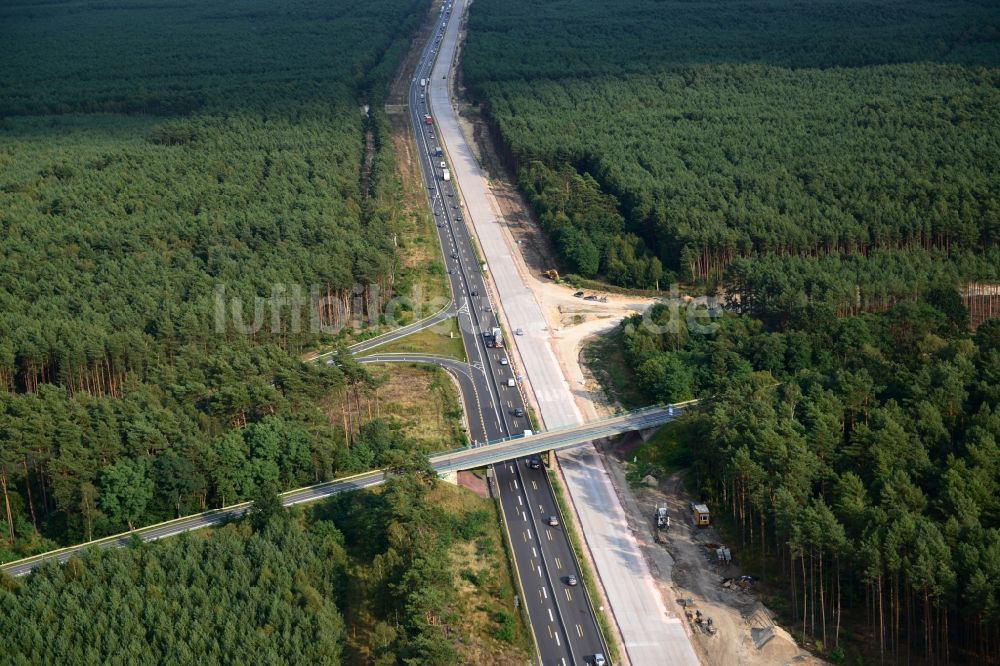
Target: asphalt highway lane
561, 616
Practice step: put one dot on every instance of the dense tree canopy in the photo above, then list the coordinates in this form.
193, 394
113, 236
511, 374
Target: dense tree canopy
161, 165
375, 577
744, 130
860, 455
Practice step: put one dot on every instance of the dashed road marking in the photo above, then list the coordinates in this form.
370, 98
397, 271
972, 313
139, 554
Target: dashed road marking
558, 563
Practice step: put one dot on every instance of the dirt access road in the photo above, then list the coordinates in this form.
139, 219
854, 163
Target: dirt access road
745, 631
684, 568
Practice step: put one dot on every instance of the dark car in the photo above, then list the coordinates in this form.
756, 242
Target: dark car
518, 412
534, 462
579, 294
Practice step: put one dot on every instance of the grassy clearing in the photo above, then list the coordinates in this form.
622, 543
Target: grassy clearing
494, 629
422, 274
586, 572
606, 359
422, 398
441, 340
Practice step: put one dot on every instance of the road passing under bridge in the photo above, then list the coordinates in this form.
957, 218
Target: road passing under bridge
449, 461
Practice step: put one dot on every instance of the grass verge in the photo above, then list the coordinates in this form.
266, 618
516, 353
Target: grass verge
421, 398
586, 572
442, 339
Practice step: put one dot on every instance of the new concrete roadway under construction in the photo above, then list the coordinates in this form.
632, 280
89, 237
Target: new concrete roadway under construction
651, 635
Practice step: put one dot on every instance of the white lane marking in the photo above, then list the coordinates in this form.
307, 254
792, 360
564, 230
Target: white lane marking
539, 569
579, 631
545, 593
557, 638
551, 618
511, 470
524, 516
534, 553
519, 501
534, 485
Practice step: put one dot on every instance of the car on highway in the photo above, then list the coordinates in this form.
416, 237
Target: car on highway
517, 412
474, 292
553, 521
534, 462
519, 331
571, 580
599, 660
454, 255
451, 271
504, 361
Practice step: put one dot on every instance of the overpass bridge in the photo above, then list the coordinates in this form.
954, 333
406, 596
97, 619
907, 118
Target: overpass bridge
443, 463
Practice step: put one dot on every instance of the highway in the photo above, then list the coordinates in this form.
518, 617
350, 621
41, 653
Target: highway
561, 615
651, 634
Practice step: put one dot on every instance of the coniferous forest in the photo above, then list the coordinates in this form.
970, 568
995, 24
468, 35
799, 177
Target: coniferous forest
369, 578
829, 168
858, 458
152, 157
664, 140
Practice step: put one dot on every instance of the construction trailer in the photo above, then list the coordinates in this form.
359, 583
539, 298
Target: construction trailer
700, 515
661, 517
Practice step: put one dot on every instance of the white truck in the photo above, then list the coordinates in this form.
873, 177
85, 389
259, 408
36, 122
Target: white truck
445, 175
423, 82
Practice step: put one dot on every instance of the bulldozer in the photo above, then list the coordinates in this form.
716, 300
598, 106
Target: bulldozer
552, 274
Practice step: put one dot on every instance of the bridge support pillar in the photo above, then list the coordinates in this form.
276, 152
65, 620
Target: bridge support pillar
449, 477
648, 433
